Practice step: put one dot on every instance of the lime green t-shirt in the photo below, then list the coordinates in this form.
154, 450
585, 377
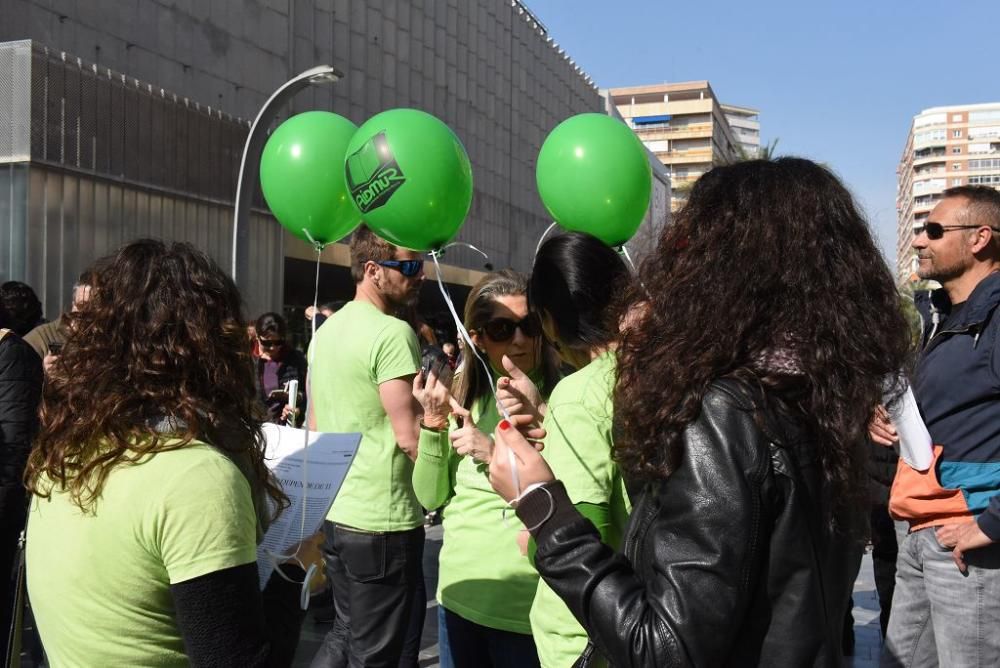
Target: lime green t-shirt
357, 349
578, 449
482, 575
99, 580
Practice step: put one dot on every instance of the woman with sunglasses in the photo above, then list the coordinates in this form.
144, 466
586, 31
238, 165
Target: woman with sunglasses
575, 282
485, 585
277, 364
769, 324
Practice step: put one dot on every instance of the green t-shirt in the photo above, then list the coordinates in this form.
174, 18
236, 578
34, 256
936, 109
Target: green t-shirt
578, 449
482, 575
173, 517
357, 349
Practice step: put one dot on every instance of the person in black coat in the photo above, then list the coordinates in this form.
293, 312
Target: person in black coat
20, 390
754, 351
277, 364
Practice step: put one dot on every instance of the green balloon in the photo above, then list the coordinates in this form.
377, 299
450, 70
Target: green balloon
410, 178
302, 176
593, 176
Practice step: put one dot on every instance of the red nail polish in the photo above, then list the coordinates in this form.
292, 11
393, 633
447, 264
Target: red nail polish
504, 425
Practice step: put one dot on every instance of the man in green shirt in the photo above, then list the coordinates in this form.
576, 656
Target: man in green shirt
361, 381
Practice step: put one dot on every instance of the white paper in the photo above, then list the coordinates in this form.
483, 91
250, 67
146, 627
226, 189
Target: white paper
915, 445
311, 477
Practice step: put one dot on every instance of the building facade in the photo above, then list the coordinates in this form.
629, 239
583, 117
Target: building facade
745, 124
487, 68
946, 147
685, 126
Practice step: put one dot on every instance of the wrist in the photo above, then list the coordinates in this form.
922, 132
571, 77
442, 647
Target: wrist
434, 423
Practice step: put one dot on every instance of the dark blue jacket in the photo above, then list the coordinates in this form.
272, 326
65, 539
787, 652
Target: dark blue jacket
957, 387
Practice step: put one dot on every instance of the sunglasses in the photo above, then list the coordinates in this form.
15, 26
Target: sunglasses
935, 231
271, 343
502, 329
408, 268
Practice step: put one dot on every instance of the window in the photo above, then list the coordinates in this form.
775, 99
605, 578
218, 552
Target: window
956, 149
982, 165
987, 180
956, 182
956, 166
957, 134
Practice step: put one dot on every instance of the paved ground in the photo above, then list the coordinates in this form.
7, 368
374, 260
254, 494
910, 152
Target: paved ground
868, 642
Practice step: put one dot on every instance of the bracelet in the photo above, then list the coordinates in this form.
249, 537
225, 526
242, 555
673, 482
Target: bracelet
434, 429
512, 504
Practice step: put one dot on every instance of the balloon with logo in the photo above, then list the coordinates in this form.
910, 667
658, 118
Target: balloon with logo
302, 176
410, 178
593, 176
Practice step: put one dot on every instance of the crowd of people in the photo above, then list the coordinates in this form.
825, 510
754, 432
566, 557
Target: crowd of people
669, 468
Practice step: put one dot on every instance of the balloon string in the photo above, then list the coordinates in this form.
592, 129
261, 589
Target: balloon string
542, 238
467, 245
464, 333
635, 269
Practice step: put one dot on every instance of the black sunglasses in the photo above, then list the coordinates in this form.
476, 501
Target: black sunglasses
408, 268
271, 343
502, 329
936, 230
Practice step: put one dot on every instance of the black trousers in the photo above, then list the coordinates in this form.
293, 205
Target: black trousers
377, 580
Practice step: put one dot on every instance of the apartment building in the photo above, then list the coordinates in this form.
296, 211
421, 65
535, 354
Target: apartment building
686, 127
946, 147
745, 124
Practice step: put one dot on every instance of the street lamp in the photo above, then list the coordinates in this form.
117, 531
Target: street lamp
250, 164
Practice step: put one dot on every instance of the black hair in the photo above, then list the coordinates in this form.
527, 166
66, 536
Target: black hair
21, 307
576, 280
271, 323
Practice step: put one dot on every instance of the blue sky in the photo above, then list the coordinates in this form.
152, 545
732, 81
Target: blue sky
838, 82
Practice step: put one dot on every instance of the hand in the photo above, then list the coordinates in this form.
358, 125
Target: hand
962, 538
523, 536
435, 400
307, 551
517, 394
531, 468
48, 361
881, 430
310, 312
289, 414
469, 441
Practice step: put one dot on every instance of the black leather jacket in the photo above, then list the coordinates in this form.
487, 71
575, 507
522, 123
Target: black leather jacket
728, 562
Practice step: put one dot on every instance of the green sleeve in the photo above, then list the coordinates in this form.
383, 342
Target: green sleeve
599, 515
432, 478
395, 353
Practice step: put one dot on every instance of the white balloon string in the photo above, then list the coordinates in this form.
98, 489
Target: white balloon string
511, 459
635, 269
548, 229
466, 245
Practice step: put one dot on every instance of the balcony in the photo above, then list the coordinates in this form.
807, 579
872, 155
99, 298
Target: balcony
686, 157
693, 131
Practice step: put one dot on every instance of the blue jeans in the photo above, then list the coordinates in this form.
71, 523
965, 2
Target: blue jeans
941, 616
465, 644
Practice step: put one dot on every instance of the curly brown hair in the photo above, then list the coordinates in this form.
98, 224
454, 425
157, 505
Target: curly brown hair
767, 259
161, 341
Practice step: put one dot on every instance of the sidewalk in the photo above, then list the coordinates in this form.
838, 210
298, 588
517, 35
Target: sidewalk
868, 642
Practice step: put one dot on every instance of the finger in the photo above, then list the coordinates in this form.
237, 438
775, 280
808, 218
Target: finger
432, 379
459, 410
514, 440
959, 558
418, 382
512, 369
533, 433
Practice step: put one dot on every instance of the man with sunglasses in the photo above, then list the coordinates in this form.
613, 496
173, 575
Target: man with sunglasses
946, 605
361, 381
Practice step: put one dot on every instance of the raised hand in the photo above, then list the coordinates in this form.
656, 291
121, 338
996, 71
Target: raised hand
531, 468
435, 399
518, 395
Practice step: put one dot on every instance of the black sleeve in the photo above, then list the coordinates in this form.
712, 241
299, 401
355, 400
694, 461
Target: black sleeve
20, 390
701, 549
226, 621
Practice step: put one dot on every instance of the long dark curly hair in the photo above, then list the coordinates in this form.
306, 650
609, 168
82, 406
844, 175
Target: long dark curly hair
161, 341
768, 274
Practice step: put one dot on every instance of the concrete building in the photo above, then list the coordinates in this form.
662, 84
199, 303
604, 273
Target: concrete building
684, 125
946, 147
488, 68
745, 124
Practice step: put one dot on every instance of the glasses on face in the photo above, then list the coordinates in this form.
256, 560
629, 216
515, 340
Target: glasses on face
935, 231
271, 343
502, 329
408, 268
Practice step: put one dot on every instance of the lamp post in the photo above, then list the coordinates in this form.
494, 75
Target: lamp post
250, 164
